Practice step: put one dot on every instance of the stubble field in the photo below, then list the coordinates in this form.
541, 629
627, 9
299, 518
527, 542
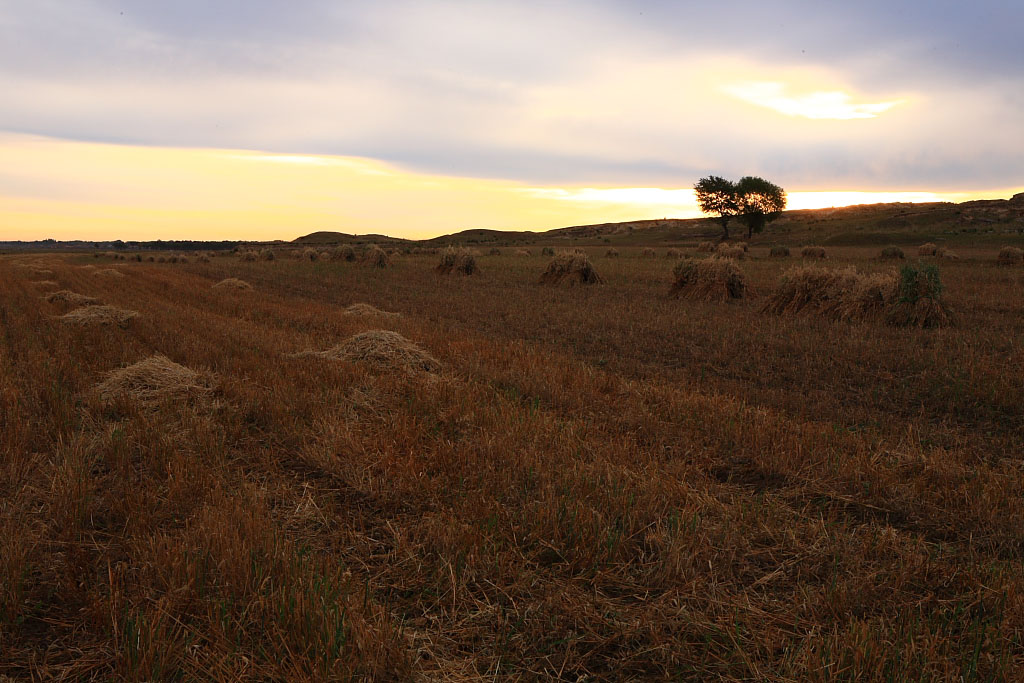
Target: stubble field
598, 483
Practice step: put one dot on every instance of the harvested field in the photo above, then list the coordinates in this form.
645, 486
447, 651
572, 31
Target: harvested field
602, 483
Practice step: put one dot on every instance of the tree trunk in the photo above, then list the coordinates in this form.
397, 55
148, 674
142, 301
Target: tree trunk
725, 228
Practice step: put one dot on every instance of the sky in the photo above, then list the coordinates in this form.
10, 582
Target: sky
259, 119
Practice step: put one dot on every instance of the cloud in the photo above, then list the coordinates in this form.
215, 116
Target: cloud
820, 104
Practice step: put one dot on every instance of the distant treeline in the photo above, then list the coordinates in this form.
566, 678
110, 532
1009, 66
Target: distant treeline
120, 245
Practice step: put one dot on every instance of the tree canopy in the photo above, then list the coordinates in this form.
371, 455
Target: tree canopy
755, 201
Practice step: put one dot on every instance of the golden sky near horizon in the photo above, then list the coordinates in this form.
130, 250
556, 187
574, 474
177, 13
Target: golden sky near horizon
79, 190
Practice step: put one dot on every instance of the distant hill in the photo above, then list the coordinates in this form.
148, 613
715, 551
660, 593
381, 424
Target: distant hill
895, 223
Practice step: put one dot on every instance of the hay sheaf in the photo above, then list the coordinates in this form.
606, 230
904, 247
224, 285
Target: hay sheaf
1011, 256
813, 252
109, 272
66, 296
99, 315
368, 311
779, 251
522, 252
713, 279
612, 253
376, 257
456, 260
648, 253
892, 254
156, 380
927, 249
673, 253
706, 246
736, 253
572, 268
267, 255
380, 349
233, 283
345, 252
45, 283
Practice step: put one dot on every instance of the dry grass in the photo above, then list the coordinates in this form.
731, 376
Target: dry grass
713, 279
927, 249
66, 296
1010, 256
99, 315
366, 310
892, 254
154, 381
812, 253
456, 260
381, 350
573, 268
779, 251
233, 284
376, 257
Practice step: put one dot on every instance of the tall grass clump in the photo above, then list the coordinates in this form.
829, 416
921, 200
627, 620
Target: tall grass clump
456, 260
713, 279
572, 268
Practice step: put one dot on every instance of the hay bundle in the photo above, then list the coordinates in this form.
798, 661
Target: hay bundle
779, 251
267, 254
458, 260
172, 259
523, 252
743, 245
919, 300
950, 255
203, 258
927, 249
310, 254
813, 252
865, 296
108, 272
713, 279
810, 287
381, 349
99, 315
248, 255
151, 259
155, 380
233, 284
648, 253
41, 272
572, 268
161, 259
494, 252
673, 253
612, 253
1011, 256
46, 283
547, 251
736, 253
345, 252
66, 296
368, 311
892, 254
324, 255
376, 258
706, 246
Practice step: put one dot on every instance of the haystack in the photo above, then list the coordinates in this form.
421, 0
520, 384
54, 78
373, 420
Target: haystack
673, 253
919, 300
1011, 256
233, 283
648, 253
892, 253
376, 258
66, 296
248, 255
950, 255
456, 260
108, 272
743, 245
927, 249
812, 252
203, 258
736, 253
779, 251
368, 311
810, 287
45, 283
345, 252
155, 380
310, 254
713, 279
547, 251
522, 252
99, 315
706, 246
267, 254
572, 268
382, 350
494, 251
612, 253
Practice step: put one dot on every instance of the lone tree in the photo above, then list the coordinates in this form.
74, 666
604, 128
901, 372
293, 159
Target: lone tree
718, 195
759, 201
